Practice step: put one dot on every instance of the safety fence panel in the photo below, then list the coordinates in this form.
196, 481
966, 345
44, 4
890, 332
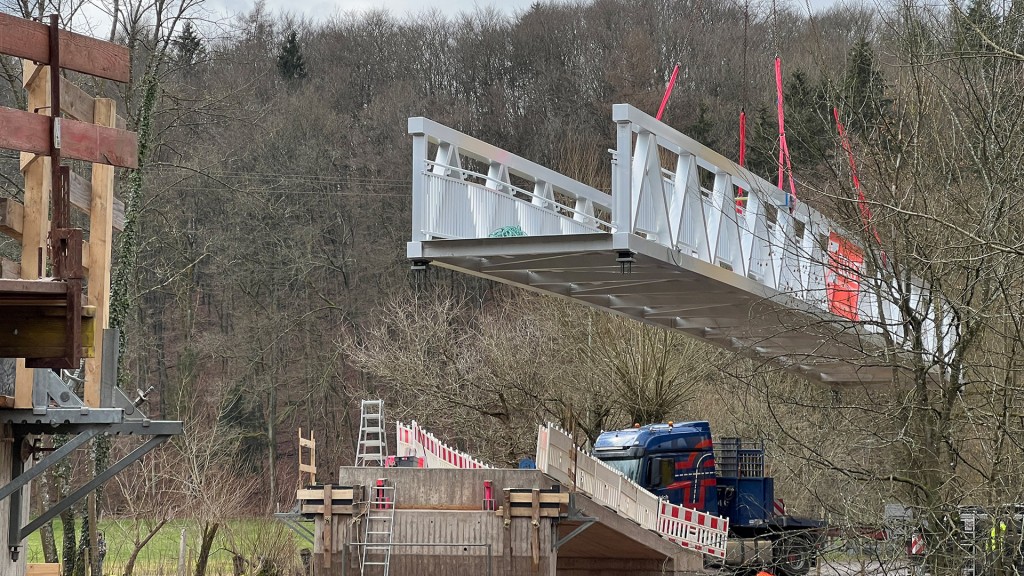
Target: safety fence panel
413, 440
699, 531
558, 457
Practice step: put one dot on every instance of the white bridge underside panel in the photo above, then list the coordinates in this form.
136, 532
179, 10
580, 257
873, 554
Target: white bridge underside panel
674, 291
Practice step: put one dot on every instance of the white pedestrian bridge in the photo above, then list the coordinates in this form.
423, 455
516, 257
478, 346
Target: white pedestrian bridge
670, 246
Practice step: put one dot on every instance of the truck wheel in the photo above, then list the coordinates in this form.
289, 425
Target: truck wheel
793, 555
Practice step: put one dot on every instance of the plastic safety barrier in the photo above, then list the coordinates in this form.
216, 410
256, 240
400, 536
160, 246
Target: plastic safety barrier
693, 529
413, 440
558, 457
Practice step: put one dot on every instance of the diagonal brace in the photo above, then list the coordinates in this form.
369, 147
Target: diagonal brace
107, 474
579, 530
27, 476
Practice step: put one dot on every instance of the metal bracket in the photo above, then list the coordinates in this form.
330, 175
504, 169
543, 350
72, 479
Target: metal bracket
587, 523
49, 390
294, 520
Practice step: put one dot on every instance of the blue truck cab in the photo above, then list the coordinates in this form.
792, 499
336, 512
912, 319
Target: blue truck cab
680, 462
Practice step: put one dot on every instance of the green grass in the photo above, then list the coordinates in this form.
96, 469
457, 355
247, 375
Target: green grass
252, 538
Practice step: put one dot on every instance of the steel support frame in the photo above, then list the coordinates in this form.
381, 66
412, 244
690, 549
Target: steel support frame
17, 533
160, 431
294, 522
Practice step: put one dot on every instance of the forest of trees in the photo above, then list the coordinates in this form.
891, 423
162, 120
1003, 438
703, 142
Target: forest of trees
262, 286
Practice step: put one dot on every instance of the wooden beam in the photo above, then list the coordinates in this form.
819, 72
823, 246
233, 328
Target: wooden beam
74, 101
81, 198
38, 332
101, 221
12, 212
12, 218
30, 40
36, 217
29, 132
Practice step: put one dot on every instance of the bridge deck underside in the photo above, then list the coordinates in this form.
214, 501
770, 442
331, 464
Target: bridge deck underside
666, 288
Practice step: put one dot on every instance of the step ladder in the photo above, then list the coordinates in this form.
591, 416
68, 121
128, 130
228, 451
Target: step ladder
373, 445
378, 530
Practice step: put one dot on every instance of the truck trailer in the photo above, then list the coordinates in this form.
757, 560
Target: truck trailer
680, 462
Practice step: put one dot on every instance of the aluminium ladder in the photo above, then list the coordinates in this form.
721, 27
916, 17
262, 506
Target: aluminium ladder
379, 530
373, 445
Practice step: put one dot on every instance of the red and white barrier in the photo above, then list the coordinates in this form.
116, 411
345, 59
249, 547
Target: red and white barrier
415, 441
693, 529
558, 457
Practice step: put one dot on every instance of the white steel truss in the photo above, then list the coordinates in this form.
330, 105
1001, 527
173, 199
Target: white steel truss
669, 246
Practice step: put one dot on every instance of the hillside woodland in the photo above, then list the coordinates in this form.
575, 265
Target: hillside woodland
261, 283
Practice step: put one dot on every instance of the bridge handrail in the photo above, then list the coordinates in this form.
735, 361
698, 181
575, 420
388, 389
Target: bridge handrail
413, 440
501, 165
558, 457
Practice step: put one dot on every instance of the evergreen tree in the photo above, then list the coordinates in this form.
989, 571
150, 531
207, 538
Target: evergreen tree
290, 64
863, 88
188, 46
807, 126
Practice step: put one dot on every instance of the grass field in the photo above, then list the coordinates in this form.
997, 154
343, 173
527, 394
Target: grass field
252, 539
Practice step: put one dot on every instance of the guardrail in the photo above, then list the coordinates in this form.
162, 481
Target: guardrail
414, 441
470, 189
792, 249
559, 458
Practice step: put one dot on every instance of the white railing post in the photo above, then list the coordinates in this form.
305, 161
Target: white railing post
622, 186
419, 165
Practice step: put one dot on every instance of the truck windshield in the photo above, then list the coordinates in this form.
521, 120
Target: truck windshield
628, 467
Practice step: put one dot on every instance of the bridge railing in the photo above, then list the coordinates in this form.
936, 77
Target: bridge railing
558, 457
672, 190
414, 441
466, 188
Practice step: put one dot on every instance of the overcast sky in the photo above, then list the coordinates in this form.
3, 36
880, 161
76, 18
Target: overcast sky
319, 8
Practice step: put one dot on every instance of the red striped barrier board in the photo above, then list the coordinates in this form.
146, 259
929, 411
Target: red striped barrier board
413, 440
699, 531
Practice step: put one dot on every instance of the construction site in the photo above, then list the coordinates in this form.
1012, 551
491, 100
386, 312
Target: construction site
842, 397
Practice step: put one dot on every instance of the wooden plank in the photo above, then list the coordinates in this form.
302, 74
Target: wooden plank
12, 212
29, 132
24, 131
101, 220
43, 570
74, 101
544, 498
338, 494
30, 40
528, 512
12, 218
336, 509
81, 198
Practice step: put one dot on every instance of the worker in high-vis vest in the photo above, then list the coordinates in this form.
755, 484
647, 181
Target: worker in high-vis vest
997, 536
994, 547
